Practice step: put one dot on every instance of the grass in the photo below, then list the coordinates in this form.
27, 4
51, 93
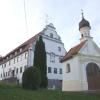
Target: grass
12, 92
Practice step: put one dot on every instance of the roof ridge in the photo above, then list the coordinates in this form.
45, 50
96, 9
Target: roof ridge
25, 43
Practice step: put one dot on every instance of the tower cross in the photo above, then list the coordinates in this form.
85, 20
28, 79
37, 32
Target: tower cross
82, 13
46, 19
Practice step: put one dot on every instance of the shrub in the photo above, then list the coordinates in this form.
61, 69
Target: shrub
31, 78
44, 82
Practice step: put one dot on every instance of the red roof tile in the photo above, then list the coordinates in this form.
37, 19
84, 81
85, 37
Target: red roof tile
28, 42
73, 51
25, 45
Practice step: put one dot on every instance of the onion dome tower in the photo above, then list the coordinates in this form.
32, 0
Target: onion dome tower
84, 28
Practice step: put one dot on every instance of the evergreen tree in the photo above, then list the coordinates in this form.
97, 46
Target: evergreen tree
31, 78
40, 61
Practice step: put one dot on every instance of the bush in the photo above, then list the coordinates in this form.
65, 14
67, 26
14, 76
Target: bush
44, 82
31, 78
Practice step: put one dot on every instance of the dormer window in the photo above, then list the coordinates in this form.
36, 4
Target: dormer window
51, 35
7, 57
16, 53
10, 55
20, 49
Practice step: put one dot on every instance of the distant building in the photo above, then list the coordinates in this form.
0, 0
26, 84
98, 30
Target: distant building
81, 65
14, 63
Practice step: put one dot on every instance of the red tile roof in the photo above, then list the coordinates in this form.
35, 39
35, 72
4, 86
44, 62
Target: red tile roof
28, 42
25, 46
72, 51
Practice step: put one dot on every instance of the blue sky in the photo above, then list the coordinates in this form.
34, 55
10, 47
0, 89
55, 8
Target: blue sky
64, 14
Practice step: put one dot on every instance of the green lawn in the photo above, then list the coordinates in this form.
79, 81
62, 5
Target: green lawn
15, 93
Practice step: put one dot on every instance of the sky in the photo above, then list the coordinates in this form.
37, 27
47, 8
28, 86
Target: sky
15, 28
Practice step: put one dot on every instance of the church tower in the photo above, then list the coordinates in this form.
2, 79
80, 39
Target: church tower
81, 64
84, 28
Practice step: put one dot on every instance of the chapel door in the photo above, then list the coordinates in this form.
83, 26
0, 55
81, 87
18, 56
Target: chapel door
93, 76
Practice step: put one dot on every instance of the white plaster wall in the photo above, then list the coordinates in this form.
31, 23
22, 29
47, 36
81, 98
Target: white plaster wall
74, 73
22, 62
90, 48
85, 31
52, 46
71, 81
76, 80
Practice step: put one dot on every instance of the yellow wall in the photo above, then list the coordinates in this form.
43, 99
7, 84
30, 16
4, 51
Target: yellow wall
72, 85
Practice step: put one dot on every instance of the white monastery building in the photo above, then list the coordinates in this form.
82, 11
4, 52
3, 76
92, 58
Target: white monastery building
81, 64
14, 63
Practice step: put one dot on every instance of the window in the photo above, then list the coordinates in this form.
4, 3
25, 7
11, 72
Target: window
52, 57
59, 48
49, 70
60, 71
10, 55
6, 74
5, 65
51, 35
25, 55
1, 75
20, 69
81, 35
21, 57
17, 70
68, 68
16, 53
55, 70
17, 59
25, 67
14, 60
9, 63
20, 49
60, 58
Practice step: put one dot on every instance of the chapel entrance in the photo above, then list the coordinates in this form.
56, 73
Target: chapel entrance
93, 76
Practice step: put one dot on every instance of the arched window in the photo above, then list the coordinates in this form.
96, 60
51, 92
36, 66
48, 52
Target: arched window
51, 35
68, 68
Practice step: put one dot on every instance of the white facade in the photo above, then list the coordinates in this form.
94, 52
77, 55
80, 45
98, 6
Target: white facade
76, 79
54, 49
75, 73
17, 63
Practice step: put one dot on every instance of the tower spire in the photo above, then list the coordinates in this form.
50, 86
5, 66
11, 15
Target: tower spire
82, 13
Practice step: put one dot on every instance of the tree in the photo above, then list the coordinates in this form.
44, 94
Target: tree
40, 60
31, 78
